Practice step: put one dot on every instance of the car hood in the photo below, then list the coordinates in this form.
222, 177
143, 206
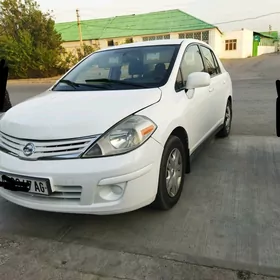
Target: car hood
62, 115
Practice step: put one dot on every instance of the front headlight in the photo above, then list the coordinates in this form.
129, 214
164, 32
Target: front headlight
124, 137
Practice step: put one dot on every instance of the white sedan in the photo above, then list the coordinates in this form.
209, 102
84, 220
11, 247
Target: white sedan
117, 131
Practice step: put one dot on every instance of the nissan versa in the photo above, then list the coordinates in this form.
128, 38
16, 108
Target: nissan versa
117, 131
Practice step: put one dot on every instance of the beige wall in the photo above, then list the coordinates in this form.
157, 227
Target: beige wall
102, 43
214, 40
266, 49
73, 46
247, 43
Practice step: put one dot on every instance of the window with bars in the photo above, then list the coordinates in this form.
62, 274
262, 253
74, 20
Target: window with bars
128, 40
231, 45
158, 37
202, 36
110, 43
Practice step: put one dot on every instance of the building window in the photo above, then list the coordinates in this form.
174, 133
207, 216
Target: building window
158, 37
231, 45
205, 36
197, 35
151, 38
128, 40
110, 43
202, 36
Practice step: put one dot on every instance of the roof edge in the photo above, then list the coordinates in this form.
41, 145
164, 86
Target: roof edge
113, 17
263, 35
208, 26
213, 26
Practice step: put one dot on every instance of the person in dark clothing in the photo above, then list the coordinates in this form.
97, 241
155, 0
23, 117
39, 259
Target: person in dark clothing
278, 108
5, 103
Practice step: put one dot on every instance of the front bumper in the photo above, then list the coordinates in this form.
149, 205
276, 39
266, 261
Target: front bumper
107, 185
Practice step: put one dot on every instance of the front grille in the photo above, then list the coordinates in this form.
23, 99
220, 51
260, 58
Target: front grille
52, 149
72, 193
67, 192
62, 194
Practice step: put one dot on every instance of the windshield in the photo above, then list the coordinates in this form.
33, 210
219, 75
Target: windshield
119, 69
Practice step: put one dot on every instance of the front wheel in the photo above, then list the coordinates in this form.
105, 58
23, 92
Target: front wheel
225, 131
171, 176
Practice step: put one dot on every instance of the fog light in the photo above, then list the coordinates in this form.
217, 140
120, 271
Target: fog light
117, 189
112, 192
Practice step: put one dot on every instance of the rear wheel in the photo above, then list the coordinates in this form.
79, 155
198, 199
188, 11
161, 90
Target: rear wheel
171, 177
225, 131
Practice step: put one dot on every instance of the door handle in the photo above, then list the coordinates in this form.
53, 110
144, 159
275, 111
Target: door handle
211, 89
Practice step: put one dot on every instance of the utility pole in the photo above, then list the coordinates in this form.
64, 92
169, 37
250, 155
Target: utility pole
80, 28
270, 28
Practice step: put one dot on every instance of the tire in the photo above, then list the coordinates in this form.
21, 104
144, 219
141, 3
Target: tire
225, 131
167, 197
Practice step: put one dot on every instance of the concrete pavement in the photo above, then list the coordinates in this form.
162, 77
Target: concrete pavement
20, 92
227, 220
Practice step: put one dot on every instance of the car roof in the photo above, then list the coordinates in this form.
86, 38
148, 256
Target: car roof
153, 43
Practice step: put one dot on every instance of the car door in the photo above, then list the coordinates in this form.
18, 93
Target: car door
196, 113
216, 94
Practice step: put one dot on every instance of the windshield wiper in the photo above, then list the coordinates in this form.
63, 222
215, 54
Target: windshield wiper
69, 83
77, 85
116, 82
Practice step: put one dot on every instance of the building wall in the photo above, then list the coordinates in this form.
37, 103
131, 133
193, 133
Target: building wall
215, 41
244, 44
73, 46
212, 36
247, 43
265, 49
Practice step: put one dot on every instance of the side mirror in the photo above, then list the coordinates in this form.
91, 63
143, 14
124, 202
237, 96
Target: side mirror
198, 80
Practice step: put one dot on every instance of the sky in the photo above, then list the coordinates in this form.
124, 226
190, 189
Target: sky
211, 11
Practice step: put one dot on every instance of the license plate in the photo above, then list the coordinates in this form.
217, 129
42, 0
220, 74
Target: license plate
40, 186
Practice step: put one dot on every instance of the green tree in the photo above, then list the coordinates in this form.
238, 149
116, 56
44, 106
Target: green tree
85, 51
28, 40
70, 58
